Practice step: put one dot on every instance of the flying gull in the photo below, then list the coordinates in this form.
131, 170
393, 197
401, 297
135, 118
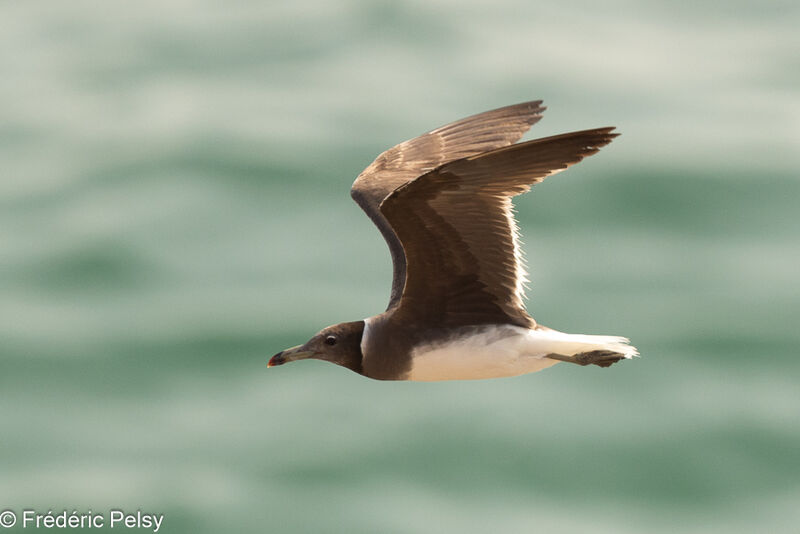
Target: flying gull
443, 204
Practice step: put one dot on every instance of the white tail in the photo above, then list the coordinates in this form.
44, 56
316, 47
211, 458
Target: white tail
546, 341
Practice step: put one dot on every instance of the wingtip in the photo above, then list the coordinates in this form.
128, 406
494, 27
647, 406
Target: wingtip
607, 130
534, 107
606, 133
533, 103
537, 106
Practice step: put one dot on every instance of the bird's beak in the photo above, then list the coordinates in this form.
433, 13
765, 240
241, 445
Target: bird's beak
289, 355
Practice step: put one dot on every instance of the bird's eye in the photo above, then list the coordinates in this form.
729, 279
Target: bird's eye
330, 340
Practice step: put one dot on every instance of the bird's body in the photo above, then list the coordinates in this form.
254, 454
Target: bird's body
484, 351
443, 204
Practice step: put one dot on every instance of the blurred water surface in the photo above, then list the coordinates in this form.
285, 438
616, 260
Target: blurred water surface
174, 209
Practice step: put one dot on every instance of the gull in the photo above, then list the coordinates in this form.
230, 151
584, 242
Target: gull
443, 202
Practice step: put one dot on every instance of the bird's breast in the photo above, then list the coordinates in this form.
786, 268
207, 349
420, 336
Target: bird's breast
386, 349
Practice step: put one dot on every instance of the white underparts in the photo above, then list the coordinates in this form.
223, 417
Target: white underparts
502, 350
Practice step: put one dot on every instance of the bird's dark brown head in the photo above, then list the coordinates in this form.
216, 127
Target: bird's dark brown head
339, 344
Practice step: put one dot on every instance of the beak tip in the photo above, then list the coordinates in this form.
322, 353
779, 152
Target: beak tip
276, 360
290, 355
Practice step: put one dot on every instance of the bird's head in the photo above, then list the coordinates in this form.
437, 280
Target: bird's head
339, 344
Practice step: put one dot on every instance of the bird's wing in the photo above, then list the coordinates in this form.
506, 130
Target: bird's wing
459, 235
410, 159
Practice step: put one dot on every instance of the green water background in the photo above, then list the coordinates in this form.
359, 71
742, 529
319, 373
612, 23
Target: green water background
174, 209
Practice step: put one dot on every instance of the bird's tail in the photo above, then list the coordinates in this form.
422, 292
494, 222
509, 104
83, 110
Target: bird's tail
545, 341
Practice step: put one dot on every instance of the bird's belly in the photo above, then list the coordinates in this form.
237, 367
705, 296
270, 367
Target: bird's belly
492, 352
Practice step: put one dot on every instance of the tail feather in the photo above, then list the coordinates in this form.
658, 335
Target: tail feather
552, 341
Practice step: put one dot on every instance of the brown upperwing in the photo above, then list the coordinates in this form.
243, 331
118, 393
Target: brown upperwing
458, 232
412, 158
